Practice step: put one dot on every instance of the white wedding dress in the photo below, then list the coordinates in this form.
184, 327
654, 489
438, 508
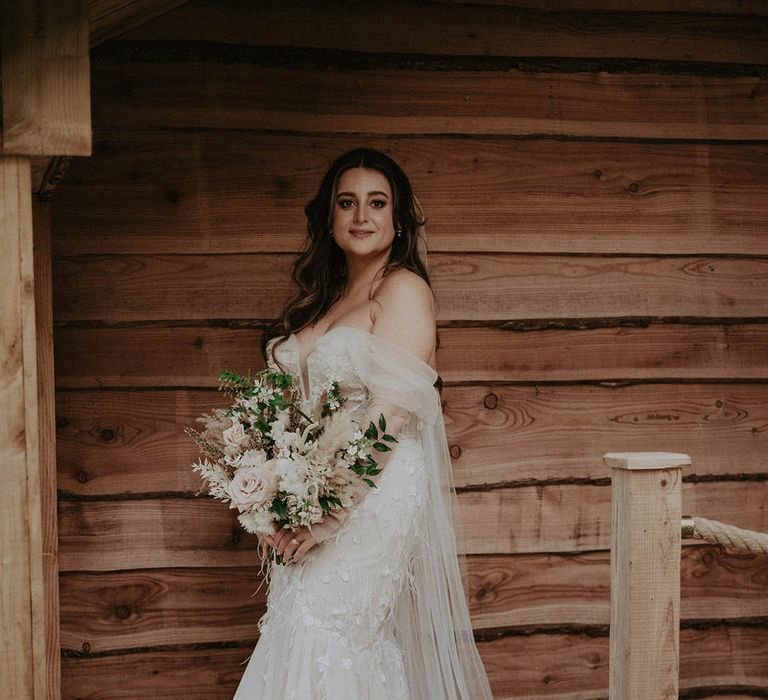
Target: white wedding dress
372, 611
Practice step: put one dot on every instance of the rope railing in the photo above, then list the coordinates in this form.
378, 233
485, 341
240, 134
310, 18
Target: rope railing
694, 527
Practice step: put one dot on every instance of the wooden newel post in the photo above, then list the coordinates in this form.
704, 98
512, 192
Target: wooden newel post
645, 574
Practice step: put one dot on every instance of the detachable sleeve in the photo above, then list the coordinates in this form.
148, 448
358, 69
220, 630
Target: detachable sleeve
401, 387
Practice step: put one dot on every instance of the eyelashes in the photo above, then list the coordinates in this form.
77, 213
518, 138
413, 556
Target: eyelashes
382, 202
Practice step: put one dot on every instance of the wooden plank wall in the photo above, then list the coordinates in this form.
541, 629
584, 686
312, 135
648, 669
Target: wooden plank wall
596, 184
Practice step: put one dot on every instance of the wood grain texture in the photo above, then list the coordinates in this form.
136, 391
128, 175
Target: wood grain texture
236, 95
469, 287
46, 79
572, 589
21, 593
473, 29
122, 610
156, 607
116, 443
645, 579
46, 403
107, 535
715, 7
110, 18
205, 192
193, 356
544, 665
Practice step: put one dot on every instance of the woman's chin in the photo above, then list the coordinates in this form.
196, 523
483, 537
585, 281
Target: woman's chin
365, 248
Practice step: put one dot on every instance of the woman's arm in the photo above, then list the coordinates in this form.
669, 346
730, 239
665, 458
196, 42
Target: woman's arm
405, 316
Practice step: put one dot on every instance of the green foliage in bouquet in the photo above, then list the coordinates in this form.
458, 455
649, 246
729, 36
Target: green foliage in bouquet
261, 402
369, 466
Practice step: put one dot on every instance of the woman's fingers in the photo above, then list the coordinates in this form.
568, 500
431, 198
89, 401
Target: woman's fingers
304, 547
283, 540
290, 548
290, 545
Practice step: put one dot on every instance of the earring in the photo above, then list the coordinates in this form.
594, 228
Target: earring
399, 231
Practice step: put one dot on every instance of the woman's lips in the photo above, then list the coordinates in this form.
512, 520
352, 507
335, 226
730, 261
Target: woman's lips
360, 234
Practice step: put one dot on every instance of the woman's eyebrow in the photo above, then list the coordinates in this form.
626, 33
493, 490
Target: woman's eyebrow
352, 194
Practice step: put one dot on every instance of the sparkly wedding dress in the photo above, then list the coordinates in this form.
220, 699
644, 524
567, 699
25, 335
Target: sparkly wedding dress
377, 610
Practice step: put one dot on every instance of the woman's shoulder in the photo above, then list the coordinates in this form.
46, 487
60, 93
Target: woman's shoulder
404, 312
405, 286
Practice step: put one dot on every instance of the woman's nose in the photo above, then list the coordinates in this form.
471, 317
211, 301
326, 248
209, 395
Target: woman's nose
360, 213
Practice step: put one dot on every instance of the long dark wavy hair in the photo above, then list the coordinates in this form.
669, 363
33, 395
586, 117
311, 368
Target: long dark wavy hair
320, 272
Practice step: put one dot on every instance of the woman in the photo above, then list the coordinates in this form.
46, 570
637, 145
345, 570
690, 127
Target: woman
370, 602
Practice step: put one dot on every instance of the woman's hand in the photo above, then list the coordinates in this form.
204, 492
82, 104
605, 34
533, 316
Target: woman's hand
291, 545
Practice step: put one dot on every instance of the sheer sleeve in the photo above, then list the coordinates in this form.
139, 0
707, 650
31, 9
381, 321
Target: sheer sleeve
432, 621
400, 386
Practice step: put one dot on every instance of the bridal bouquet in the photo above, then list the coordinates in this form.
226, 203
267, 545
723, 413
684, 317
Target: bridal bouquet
277, 465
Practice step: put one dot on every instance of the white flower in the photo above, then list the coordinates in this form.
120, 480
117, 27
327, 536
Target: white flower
233, 460
234, 436
253, 458
253, 486
286, 441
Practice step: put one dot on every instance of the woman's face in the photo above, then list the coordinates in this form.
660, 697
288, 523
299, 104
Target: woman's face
362, 213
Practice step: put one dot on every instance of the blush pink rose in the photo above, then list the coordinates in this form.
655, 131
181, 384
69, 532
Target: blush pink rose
235, 436
253, 486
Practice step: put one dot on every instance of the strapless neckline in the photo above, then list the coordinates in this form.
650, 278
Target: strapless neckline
303, 367
336, 329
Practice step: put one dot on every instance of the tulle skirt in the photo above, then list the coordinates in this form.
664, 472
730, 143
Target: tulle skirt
329, 632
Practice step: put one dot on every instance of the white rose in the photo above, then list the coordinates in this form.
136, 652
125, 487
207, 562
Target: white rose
232, 457
234, 436
253, 486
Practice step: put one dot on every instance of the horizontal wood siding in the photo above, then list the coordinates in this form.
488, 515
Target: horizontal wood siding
596, 187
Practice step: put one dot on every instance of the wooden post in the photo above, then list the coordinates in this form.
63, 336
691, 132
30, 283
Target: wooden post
645, 574
21, 593
45, 91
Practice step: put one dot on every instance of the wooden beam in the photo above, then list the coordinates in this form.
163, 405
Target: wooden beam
22, 604
46, 100
645, 574
46, 395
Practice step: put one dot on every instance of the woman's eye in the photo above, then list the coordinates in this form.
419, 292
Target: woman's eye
342, 202
379, 201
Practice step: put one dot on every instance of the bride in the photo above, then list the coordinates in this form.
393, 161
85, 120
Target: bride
369, 603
